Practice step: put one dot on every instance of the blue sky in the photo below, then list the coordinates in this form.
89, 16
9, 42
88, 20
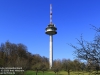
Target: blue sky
24, 21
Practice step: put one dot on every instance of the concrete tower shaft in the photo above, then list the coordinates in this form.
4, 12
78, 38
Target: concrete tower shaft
51, 51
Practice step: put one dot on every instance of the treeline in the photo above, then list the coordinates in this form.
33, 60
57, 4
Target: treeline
17, 55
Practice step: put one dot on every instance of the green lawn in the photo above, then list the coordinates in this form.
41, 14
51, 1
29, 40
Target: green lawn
52, 73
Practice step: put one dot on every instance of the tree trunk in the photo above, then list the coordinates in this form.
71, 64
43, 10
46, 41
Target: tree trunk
43, 72
36, 72
68, 72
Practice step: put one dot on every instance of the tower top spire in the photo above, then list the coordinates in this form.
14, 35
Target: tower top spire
50, 13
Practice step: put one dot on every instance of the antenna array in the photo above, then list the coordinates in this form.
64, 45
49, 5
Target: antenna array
50, 13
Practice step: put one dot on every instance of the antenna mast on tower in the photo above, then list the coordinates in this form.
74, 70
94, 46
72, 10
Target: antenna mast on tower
50, 13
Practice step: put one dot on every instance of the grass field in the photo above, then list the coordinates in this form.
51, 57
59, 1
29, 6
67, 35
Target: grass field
60, 73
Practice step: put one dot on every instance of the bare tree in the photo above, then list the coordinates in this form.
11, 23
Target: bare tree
89, 50
67, 65
56, 66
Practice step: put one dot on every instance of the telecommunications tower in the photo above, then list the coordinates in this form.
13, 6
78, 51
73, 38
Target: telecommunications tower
51, 30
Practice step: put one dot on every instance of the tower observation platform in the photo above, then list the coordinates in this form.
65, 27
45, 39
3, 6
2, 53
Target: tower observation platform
51, 29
